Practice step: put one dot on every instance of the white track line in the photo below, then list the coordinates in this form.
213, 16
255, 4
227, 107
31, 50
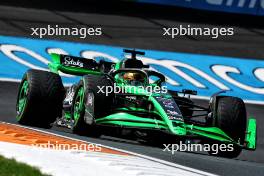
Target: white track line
82, 163
166, 163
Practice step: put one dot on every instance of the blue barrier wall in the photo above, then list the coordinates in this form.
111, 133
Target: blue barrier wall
254, 7
206, 74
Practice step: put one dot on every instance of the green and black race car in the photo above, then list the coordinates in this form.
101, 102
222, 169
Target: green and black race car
127, 98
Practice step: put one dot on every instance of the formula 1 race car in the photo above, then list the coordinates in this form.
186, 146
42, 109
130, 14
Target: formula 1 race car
129, 99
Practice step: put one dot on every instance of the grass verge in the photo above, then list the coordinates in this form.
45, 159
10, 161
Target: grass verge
10, 167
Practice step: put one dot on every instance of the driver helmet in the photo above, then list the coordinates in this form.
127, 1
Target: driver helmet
134, 79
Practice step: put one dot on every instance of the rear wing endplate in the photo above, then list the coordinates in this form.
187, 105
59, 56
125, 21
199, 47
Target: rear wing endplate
73, 65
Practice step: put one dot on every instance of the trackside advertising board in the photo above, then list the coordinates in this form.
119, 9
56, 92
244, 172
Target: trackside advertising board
207, 74
253, 7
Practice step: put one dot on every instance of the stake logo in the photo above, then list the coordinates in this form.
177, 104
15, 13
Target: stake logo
68, 61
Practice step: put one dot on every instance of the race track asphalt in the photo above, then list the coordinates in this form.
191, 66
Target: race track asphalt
143, 29
248, 163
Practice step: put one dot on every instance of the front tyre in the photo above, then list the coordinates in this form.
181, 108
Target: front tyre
78, 110
89, 104
231, 118
40, 97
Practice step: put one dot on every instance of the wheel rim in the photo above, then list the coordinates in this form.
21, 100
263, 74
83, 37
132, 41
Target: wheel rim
22, 99
78, 105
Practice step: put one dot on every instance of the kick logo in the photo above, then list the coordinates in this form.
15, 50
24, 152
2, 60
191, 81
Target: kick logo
237, 3
254, 7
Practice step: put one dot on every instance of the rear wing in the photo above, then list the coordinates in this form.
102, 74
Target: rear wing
73, 65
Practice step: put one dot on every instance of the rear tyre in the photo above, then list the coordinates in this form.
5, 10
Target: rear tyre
40, 97
231, 118
91, 100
